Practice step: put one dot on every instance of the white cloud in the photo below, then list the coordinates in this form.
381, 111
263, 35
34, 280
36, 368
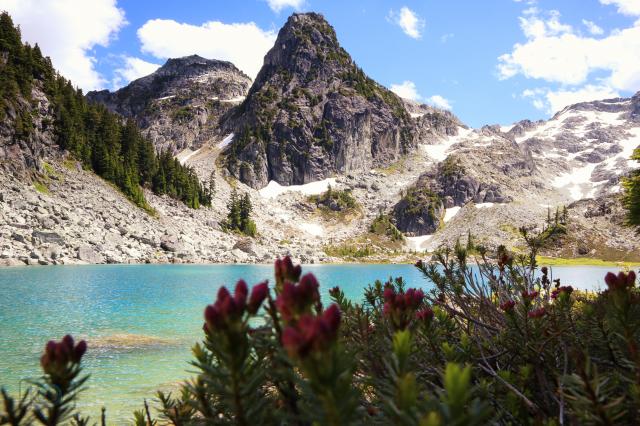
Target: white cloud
407, 89
67, 31
278, 5
446, 37
439, 101
626, 7
551, 101
132, 69
593, 27
409, 21
244, 44
561, 98
554, 53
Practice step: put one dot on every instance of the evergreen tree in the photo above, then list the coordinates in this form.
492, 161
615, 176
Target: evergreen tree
239, 214
632, 194
115, 150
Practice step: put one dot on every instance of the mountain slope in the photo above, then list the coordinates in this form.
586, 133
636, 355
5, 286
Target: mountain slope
179, 105
312, 112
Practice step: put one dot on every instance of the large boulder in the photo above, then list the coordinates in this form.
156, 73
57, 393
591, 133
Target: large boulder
88, 254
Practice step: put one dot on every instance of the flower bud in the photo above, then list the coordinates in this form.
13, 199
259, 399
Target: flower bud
240, 295
508, 305
425, 314
259, 292
79, 351
331, 316
285, 271
537, 313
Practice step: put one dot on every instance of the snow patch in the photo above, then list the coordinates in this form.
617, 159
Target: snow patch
312, 228
450, 213
274, 189
484, 205
234, 100
506, 129
166, 97
184, 156
577, 181
439, 151
416, 114
418, 243
226, 141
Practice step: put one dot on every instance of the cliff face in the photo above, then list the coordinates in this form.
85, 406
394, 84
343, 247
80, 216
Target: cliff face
312, 113
179, 105
23, 144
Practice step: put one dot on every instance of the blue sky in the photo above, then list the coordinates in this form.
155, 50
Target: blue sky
490, 61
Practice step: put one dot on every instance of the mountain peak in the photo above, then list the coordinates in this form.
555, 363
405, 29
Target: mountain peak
311, 112
192, 65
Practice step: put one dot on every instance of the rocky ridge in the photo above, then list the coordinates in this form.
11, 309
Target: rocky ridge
179, 106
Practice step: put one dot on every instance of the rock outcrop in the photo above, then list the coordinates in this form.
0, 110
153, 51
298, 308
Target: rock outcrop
179, 105
312, 112
23, 145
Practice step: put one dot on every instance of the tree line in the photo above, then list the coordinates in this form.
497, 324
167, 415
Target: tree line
103, 141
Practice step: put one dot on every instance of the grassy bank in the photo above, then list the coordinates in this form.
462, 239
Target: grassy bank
581, 261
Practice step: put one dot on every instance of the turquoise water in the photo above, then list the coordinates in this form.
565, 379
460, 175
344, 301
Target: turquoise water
141, 320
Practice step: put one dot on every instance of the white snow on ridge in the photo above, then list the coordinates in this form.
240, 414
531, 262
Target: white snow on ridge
274, 189
226, 141
439, 151
505, 129
628, 146
553, 127
577, 181
450, 213
416, 114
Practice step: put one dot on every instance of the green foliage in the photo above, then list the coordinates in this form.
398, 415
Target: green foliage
450, 167
382, 225
180, 182
239, 215
631, 186
349, 251
421, 200
182, 114
335, 200
498, 342
322, 136
113, 149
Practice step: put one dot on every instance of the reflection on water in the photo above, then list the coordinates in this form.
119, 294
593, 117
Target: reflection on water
141, 320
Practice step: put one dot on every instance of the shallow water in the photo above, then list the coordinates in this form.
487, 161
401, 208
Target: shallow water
141, 320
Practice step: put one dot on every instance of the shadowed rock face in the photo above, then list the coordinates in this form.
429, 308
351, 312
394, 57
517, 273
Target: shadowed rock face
22, 154
179, 105
312, 112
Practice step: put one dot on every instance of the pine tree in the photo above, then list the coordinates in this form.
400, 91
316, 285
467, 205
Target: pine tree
114, 150
632, 194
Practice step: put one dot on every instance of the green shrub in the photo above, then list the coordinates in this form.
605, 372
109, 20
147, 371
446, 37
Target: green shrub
499, 342
239, 215
382, 225
632, 194
333, 199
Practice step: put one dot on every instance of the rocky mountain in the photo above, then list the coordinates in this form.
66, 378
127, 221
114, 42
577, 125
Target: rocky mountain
179, 105
311, 119
492, 180
311, 113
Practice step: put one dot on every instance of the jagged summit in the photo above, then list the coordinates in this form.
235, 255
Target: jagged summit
178, 106
312, 112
